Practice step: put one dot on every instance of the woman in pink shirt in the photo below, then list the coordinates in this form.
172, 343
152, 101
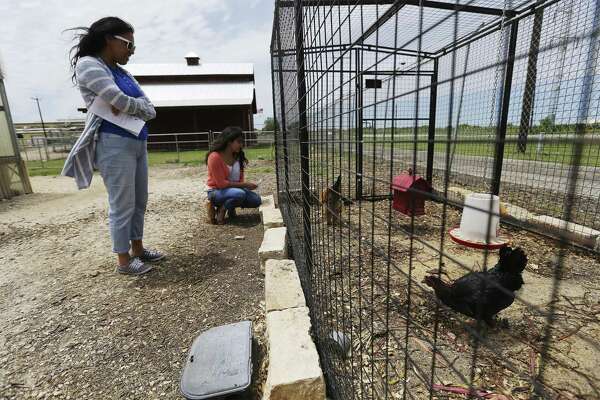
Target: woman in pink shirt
227, 189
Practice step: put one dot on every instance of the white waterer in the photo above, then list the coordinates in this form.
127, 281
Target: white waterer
481, 212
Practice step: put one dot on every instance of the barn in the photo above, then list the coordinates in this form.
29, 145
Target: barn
196, 97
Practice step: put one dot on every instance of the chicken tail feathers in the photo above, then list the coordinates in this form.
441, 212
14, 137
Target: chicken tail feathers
337, 186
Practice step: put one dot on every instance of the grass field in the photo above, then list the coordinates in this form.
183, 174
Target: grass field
561, 153
186, 158
553, 151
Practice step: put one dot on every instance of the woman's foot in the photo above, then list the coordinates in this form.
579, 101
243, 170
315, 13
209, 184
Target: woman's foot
221, 215
151, 255
211, 215
134, 267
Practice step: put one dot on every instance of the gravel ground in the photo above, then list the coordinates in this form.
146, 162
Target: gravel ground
71, 328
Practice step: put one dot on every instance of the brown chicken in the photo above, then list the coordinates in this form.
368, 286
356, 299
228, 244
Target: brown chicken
332, 201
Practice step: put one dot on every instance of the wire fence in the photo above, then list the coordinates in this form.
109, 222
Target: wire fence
499, 98
38, 150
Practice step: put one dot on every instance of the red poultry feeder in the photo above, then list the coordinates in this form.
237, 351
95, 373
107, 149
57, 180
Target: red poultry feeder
409, 193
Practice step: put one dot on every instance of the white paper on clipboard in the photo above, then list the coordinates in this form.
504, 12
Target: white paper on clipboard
128, 122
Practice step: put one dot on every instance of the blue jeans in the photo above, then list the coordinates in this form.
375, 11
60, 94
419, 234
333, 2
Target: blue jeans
231, 198
123, 164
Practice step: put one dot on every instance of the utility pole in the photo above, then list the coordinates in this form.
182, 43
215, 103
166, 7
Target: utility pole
37, 100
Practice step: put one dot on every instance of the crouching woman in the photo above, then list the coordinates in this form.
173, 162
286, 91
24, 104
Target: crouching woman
226, 187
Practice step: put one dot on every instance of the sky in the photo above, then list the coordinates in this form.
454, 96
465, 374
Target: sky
34, 50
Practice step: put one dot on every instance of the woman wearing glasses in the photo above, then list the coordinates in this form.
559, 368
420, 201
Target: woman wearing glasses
120, 155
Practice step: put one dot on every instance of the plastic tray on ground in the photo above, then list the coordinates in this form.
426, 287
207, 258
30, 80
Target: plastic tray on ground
219, 362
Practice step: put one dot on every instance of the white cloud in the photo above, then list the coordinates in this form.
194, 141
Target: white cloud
34, 50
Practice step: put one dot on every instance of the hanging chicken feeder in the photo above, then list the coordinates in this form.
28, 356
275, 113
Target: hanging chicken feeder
480, 212
410, 193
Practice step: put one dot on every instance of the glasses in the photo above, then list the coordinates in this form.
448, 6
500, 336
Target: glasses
129, 43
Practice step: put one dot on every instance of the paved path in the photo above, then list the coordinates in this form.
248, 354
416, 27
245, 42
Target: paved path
535, 174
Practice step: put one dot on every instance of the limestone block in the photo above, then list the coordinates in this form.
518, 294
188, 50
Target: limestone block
282, 285
273, 246
271, 218
294, 370
512, 211
577, 233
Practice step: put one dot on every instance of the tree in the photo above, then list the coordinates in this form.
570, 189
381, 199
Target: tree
270, 124
547, 124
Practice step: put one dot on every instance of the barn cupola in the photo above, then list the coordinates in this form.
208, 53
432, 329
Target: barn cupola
192, 59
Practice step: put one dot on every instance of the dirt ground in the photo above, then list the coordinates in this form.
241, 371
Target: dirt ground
71, 328
375, 304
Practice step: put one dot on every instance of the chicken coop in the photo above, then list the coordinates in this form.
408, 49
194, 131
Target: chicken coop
498, 97
408, 193
13, 174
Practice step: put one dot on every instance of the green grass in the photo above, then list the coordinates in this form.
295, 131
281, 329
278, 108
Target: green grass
156, 158
52, 167
192, 158
560, 153
552, 152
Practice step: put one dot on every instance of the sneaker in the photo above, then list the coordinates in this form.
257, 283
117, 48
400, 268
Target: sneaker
135, 267
151, 255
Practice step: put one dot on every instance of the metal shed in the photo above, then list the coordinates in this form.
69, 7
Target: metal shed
13, 173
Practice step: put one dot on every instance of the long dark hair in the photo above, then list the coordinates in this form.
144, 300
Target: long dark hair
221, 142
91, 41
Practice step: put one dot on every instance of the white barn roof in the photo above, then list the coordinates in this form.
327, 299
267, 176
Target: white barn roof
139, 70
199, 94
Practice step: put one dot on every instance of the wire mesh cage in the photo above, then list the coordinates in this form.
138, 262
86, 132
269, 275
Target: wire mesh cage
494, 98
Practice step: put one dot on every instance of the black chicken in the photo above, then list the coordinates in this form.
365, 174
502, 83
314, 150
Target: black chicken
481, 295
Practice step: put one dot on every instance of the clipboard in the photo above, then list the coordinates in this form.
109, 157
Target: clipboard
128, 122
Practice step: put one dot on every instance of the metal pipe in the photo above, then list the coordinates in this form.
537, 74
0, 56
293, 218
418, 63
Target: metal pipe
303, 136
431, 128
37, 100
283, 127
503, 116
359, 125
275, 120
418, 3
530, 80
393, 73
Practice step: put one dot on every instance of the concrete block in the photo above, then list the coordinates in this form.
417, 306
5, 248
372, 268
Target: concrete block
282, 285
266, 201
294, 370
273, 246
511, 211
577, 233
271, 218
